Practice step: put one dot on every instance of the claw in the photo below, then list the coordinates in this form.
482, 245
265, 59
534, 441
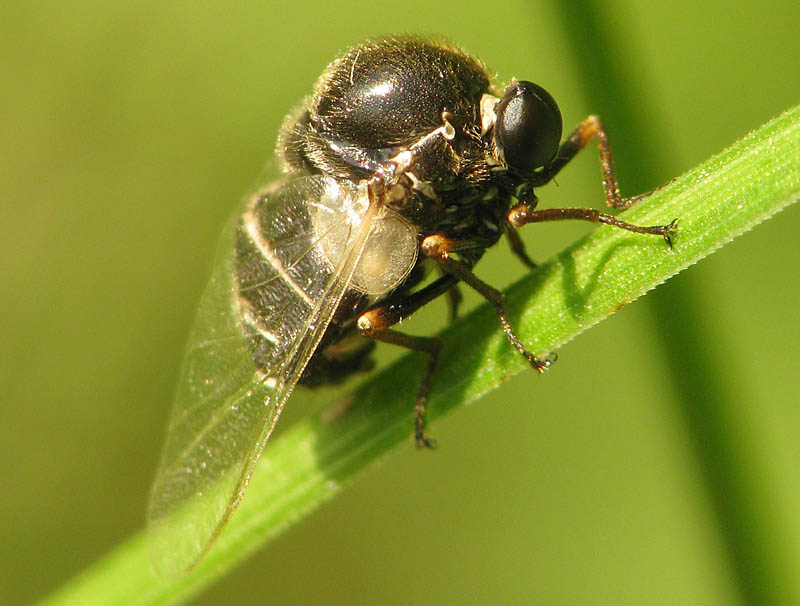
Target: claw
424, 441
669, 231
543, 363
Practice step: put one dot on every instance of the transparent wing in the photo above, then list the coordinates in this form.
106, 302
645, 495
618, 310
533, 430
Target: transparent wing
271, 296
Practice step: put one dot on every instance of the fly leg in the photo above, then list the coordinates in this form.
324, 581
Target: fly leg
454, 298
522, 214
429, 345
439, 248
375, 324
591, 128
518, 246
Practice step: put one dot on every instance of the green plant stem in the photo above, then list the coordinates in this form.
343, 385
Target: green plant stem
308, 464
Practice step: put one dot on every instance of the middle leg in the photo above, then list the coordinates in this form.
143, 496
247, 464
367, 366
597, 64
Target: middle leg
439, 248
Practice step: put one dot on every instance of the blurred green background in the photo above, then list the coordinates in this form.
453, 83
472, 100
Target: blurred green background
128, 132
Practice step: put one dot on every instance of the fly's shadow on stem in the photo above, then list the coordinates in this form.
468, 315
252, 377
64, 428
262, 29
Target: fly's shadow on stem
576, 297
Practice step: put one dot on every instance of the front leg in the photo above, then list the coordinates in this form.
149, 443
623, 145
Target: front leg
591, 128
522, 214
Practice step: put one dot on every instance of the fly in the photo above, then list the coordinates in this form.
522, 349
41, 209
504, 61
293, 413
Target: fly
405, 156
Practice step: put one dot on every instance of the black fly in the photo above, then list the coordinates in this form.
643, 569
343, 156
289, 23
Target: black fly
405, 156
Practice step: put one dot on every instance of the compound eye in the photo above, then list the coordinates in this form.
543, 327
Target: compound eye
528, 127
